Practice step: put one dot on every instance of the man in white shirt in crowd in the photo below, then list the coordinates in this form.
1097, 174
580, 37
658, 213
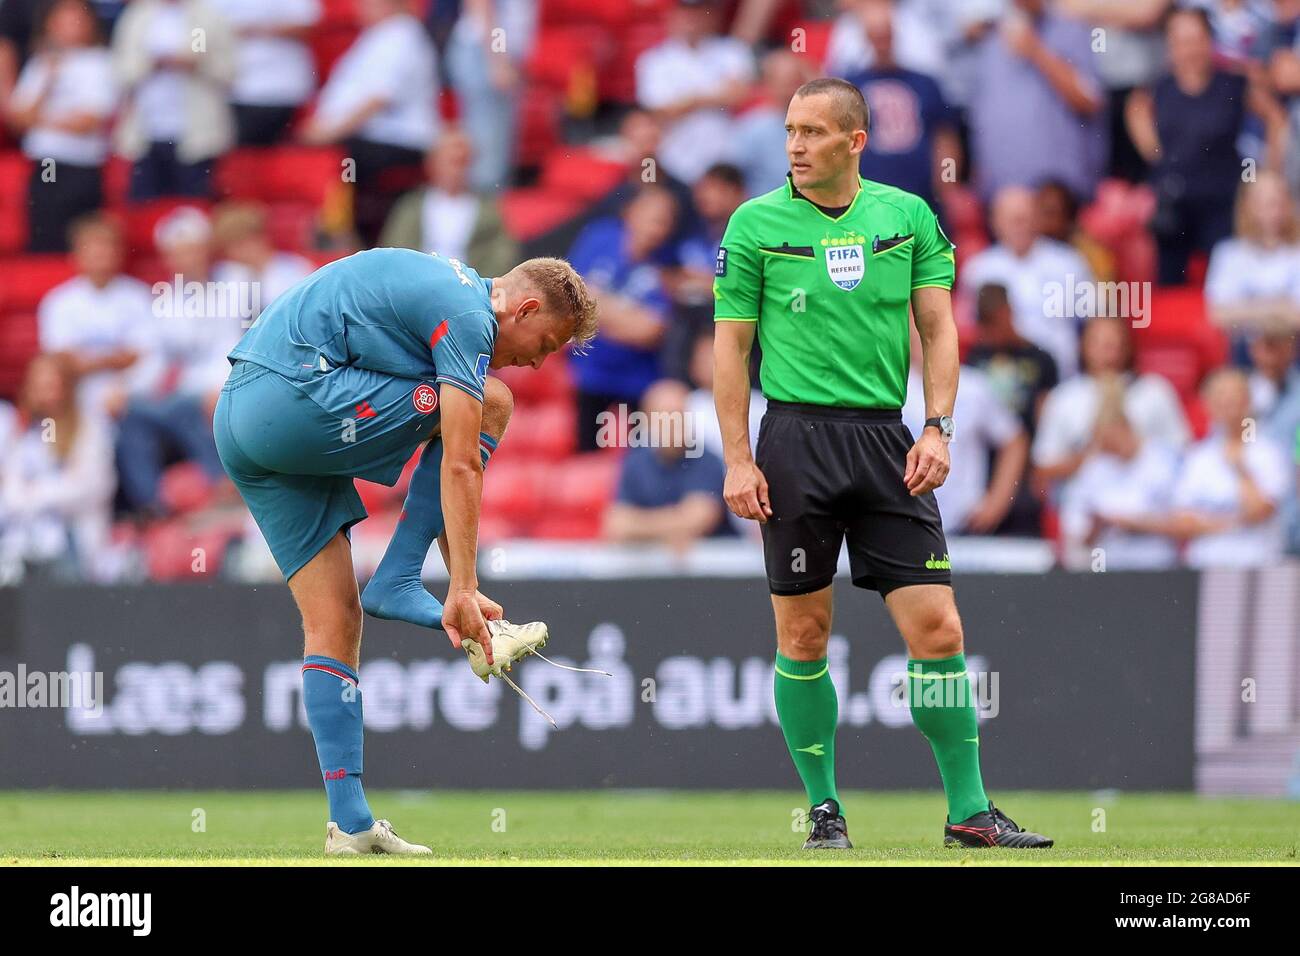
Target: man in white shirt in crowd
64, 104
974, 500
193, 325
94, 318
247, 256
1065, 438
694, 81
1226, 504
1273, 373
1038, 273
380, 102
274, 71
1125, 483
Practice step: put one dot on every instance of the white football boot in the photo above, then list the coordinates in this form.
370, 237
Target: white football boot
510, 643
380, 838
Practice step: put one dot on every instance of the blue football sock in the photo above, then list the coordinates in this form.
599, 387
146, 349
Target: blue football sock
395, 591
332, 697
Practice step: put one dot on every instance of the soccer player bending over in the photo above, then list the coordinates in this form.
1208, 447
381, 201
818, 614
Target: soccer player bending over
343, 377
824, 268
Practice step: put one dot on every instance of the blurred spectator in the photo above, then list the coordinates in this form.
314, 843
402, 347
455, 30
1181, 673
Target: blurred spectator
380, 101
1273, 374
1133, 57
1239, 27
616, 258
176, 381
1065, 439
247, 256
671, 493
1124, 484
486, 55
175, 60
1019, 372
703, 412
976, 498
19, 20
1187, 127
1038, 110
1058, 218
693, 81
274, 71
448, 218
1253, 281
1283, 74
912, 139
56, 479
689, 281
63, 104
919, 39
1226, 500
760, 130
94, 319
1034, 270
639, 143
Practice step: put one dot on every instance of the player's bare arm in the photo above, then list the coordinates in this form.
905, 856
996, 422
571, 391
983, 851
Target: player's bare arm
462, 495
927, 462
745, 489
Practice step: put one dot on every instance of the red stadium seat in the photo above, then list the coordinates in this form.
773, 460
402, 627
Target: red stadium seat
25, 280
580, 172
529, 213
534, 386
567, 527
582, 485
1179, 341
547, 431
14, 171
512, 489
19, 342
185, 488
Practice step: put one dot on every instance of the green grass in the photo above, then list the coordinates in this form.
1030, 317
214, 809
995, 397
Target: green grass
658, 827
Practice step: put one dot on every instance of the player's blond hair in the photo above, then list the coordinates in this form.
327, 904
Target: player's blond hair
564, 292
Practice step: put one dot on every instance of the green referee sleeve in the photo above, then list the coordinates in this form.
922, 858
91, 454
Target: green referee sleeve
933, 263
737, 272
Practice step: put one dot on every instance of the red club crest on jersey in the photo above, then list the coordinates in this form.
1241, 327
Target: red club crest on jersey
425, 399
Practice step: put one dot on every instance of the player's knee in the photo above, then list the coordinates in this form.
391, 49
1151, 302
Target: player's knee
498, 404
941, 632
334, 630
803, 637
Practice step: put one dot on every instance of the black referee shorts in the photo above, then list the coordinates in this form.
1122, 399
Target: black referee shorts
833, 472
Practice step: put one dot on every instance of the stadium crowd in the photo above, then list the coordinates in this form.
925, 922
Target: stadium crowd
1119, 177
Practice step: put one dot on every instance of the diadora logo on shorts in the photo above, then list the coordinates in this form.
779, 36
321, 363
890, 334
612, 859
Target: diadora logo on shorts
366, 410
425, 398
335, 774
846, 262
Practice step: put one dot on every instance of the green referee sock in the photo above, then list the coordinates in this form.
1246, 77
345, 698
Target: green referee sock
808, 710
945, 713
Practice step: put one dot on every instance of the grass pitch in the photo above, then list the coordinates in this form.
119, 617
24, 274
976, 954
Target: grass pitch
286, 828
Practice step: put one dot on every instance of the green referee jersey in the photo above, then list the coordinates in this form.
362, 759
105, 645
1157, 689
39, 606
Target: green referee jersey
830, 294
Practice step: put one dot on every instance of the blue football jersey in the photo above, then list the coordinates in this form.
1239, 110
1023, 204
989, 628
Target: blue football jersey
394, 311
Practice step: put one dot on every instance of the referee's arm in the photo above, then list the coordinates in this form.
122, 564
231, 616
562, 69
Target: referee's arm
745, 488
927, 462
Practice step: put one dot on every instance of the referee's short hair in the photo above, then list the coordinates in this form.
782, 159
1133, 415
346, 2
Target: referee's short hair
849, 106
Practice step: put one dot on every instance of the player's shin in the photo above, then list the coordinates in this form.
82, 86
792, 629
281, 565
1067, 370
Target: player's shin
395, 591
332, 698
943, 709
809, 711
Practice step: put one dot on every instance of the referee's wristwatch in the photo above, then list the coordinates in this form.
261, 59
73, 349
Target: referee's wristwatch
947, 428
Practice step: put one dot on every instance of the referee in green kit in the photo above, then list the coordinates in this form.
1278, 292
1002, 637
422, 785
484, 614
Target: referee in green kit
824, 268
